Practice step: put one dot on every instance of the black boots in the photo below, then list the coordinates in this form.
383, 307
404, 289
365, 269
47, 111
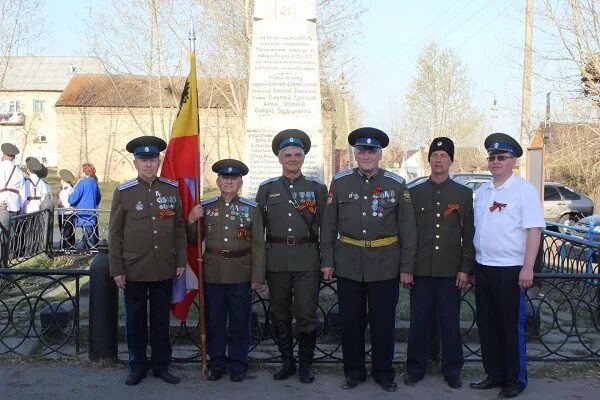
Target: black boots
306, 352
285, 343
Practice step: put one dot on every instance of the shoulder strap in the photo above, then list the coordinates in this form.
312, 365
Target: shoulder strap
10, 176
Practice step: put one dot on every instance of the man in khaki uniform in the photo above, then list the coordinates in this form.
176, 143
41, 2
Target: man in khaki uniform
233, 263
147, 250
444, 214
292, 206
368, 238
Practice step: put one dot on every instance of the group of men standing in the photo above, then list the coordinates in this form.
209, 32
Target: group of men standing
370, 231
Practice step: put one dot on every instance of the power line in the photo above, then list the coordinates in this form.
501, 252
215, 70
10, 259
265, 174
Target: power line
487, 24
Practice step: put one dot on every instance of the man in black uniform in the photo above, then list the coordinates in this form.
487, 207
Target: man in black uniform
368, 236
147, 249
444, 214
292, 207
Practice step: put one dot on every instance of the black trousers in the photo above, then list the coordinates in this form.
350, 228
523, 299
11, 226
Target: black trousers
434, 298
228, 302
137, 297
294, 295
380, 298
501, 315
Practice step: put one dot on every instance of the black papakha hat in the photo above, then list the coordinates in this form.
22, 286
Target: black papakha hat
442, 143
146, 146
368, 137
231, 167
290, 137
498, 143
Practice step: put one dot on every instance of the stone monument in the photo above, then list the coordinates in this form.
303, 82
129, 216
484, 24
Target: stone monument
284, 86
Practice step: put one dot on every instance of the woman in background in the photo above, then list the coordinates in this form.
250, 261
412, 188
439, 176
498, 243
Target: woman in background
86, 197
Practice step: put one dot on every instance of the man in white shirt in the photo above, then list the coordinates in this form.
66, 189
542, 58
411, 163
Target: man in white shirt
66, 220
508, 226
11, 179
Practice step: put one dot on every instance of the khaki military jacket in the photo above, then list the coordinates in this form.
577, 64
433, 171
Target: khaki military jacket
229, 227
444, 214
282, 203
147, 240
363, 208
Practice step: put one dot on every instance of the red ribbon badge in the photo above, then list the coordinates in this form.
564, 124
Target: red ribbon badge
451, 208
497, 206
243, 233
310, 205
168, 212
377, 191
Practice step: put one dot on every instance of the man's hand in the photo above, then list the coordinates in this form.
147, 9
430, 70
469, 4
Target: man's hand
327, 273
407, 280
195, 214
526, 278
256, 285
120, 281
179, 271
462, 280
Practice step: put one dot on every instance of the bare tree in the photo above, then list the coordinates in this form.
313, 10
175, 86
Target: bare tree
438, 102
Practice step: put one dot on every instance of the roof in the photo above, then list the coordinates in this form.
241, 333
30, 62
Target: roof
560, 132
139, 91
45, 73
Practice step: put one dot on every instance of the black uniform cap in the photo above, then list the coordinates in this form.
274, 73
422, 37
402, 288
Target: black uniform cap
66, 175
498, 143
9, 149
42, 173
231, 167
146, 146
33, 164
442, 143
290, 137
368, 137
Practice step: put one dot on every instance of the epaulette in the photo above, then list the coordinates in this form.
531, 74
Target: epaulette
314, 179
208, 201
168, 181
343, 173
128, 184
396, 177
415, 184
269, 180
248, 201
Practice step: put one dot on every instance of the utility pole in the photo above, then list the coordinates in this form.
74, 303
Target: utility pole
526, 96
494, 109
347, 117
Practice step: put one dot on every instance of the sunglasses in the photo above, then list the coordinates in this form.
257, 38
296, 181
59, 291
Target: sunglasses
499, 158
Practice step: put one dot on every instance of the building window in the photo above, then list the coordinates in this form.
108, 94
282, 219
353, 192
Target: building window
38, 136
14, 106
38, 105
14, 136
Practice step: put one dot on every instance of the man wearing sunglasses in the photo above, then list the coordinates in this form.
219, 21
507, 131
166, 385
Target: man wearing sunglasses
508, 225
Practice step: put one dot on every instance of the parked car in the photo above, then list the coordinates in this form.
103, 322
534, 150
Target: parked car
565, 205
586, 226
472, 181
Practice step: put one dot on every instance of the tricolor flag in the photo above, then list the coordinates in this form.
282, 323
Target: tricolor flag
182, 163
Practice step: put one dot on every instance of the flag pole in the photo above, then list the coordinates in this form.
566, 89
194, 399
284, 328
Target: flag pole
198, 192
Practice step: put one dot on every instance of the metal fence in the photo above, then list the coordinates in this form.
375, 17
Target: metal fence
563, 307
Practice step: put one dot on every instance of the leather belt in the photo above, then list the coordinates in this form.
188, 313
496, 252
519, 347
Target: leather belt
291, 241
369, 243
34, 198
227, 254
9, 190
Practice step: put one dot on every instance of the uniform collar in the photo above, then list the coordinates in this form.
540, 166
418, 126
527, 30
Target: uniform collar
438, 185
364, 176
298, 178
233, 200
142, 181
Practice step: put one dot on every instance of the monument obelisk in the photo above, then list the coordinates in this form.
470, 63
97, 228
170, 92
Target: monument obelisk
284, 86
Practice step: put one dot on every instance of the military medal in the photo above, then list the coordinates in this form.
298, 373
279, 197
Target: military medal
139, 206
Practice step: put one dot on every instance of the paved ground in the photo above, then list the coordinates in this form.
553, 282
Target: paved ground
65, 382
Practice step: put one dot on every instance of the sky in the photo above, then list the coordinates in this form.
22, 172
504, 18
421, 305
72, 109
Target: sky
487, 35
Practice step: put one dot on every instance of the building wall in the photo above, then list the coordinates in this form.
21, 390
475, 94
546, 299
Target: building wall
36, 125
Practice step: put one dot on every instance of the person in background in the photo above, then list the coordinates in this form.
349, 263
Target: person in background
86, 197
34, 189
66, 220
11, 179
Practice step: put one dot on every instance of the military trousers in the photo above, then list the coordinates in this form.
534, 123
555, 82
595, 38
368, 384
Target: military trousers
431, 299
228, 301
380, 299
294, 295
501, 315
137, 296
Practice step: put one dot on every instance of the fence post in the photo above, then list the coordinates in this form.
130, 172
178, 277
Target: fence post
4, 235
104, 308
